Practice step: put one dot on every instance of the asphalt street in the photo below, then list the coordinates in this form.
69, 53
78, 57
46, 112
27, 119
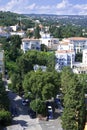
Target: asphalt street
21, 119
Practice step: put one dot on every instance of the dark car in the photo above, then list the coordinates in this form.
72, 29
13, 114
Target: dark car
57, 102
32, 113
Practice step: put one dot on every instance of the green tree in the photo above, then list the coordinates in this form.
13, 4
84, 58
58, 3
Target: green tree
73, 117
5, 118
37, 32
66, 75
45, 84
78, 57
38, 106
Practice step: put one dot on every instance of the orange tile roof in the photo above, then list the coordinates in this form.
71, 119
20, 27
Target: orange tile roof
64, 51
77, 38
30, 39
64, 43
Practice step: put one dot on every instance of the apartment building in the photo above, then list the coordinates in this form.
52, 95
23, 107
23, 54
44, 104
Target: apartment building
49, 41
81, 67
64, 58
79, 43
30, 44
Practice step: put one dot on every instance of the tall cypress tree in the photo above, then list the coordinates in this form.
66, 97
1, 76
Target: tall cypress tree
73, 117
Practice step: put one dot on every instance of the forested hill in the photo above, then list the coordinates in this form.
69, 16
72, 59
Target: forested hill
9, 19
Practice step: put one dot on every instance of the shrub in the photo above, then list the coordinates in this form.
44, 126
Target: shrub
5, 117
38, 106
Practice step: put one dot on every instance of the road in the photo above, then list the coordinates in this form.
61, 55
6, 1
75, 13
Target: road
22, 121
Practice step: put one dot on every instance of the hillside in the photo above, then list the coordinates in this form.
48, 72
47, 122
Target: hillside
9, 19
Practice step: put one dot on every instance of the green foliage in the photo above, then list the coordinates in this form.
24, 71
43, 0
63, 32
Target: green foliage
9, 19
66, 31
73, 117
66, 76
27, 61
78, 57
16, 82
5, 118
5, 115
45, 84
38, 106
44, 48
37, 32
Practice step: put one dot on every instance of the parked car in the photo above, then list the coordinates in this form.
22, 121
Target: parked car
50, 112
32, 113
57, 102
24, 103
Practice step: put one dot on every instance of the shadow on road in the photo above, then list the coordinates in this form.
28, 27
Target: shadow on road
21, 122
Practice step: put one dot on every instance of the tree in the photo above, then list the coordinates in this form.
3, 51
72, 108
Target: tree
66, 75
44, 47
37, 32
44, 84
38, 106
78, 57
73, 117
5, 118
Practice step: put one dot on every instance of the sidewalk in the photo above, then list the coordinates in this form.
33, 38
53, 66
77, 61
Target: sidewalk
33, 126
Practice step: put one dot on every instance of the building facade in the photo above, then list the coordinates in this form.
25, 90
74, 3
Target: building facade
64, 58
79, 43
49, 41
30, 44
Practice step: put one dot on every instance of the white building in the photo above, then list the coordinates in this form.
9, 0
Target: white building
79, 43
65, 55
84, 60
37, 67
30, 44
64, 58
14, 28
80, 68
2, 61
4, 34
21, 33
49, 41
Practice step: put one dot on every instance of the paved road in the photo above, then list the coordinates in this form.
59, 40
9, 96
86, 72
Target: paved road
22, 121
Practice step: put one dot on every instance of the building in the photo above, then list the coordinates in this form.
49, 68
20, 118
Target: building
30, 44
2, 61
14, 28
49, 41
79, 43
84, 60
65, 55
21, 33
42, 67
64, 58
4, 34
79, 67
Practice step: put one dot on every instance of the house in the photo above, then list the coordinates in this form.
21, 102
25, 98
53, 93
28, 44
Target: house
42, 67
81, 67
64, 58
4, 34
21, 33
79, 43
30, 44
2, 61
49, 41
14, 28
65, 55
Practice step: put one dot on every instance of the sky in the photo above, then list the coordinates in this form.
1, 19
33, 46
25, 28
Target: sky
58, 7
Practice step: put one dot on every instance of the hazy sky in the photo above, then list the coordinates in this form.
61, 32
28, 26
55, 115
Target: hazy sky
60, 7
